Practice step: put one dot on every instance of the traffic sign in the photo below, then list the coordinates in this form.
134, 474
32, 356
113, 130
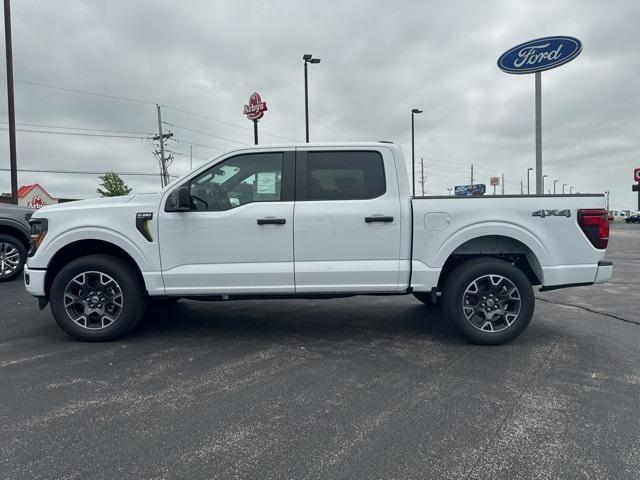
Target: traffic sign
636, 174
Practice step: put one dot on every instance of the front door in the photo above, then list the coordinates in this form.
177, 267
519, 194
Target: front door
347, 221
238, 236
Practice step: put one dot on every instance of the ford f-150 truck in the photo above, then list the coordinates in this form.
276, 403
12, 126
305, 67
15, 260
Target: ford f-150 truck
312, 220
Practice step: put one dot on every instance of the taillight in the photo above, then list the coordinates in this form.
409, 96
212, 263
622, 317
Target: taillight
594, 223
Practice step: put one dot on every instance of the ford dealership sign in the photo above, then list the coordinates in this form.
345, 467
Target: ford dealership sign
541, 54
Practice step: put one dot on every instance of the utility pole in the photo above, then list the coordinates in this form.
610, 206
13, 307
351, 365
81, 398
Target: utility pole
12, 112
521, 187
190, 158
502, 183
422, 180
472, 174
164, 161
607, 193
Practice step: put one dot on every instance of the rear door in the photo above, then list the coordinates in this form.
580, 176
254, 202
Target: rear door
346, 221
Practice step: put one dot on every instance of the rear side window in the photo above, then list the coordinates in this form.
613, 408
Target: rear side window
345, 175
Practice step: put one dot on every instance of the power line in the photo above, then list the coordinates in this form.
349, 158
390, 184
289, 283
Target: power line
40, 125
141, 101
226, 123
29, 170
74, 133
198, 144
83, 92
204, 133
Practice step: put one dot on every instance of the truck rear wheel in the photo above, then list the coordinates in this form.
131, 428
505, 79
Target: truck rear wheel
97, 298
488, 300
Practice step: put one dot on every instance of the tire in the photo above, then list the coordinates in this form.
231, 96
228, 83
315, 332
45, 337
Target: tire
104, 290
494, 313
425, 297
13, 255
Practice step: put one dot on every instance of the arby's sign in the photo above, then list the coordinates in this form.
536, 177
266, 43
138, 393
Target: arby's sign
255, 109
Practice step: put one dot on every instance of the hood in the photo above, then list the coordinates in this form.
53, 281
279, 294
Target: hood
96, 203
11, 208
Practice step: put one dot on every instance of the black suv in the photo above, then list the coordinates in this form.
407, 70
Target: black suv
14, 239
633, 219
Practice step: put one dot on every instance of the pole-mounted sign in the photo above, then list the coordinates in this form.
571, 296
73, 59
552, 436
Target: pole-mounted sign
636, 187
254, 112
536, 56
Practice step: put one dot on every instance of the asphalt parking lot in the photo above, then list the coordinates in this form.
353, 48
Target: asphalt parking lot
365, 387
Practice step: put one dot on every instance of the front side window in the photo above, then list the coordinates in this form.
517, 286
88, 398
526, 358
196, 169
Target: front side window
238, 180
345, 175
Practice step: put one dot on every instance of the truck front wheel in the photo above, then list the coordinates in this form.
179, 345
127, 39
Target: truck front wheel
97, 298
488, 300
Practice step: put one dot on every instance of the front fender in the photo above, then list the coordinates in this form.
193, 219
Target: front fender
48, 250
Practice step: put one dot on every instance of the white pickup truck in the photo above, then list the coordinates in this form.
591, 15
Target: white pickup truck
312, 220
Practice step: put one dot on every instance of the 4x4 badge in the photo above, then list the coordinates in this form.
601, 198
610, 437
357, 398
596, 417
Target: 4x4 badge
552, 213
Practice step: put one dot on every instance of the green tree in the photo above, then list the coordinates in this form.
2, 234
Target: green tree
112, 185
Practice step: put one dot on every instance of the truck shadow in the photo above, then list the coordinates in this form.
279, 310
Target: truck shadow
356, 317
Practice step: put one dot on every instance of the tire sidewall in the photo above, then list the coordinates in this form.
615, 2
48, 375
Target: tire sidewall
22, 251
132, 297
456, 285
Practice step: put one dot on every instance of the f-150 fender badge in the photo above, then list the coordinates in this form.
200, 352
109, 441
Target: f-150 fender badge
142, 224
552, 213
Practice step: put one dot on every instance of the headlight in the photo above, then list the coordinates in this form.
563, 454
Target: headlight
39, 228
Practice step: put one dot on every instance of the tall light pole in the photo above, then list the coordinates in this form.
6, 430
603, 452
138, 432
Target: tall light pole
554, 186
449, 189
11, 109
308, 58
543, 177
528, 171
571, 190
607, 194
563, 185
414, 111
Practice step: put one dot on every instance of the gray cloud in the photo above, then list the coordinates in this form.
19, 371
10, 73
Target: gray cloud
379, 59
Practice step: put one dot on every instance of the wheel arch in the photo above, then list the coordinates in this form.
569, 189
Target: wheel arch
15, 231
81, 248
503, 247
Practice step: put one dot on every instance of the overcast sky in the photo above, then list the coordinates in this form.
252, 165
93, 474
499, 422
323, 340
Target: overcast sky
379, 59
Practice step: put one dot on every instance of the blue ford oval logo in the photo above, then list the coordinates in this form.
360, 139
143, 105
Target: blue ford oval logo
540, 54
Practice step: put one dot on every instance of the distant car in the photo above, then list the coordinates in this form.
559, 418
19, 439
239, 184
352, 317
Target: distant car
14, 240
633, 219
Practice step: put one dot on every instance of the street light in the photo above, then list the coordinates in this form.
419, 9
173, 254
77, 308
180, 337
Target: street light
571, 190
528, 170
308, 58
607, 193
563, 185
449, 188
554, 186
414, 111
543, 177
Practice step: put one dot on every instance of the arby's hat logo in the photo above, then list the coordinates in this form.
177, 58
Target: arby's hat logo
36, 203
256, 107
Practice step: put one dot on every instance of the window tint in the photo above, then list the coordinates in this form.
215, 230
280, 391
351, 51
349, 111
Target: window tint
237, 181
345, 175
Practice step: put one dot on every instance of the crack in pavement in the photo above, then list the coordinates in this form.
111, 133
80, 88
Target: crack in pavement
622, 319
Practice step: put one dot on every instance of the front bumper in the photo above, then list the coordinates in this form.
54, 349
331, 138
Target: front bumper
34, 281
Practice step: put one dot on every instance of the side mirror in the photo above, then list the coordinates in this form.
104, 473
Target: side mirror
179, 200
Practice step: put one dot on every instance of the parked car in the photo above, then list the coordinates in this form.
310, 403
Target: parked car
14, 240
633, 219
227, 231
